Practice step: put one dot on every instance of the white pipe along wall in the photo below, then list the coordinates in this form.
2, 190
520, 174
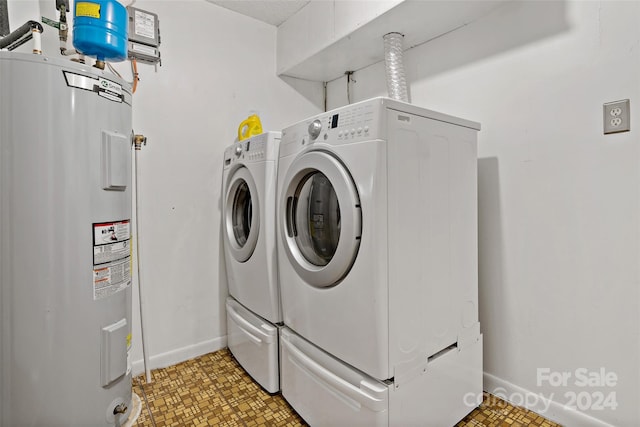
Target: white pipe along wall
559, 202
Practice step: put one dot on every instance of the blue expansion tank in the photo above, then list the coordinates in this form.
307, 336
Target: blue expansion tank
100, 29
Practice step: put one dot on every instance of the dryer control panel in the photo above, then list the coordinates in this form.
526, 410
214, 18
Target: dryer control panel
352, 123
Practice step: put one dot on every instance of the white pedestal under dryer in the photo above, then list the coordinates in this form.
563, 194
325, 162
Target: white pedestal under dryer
377, 258
248, 212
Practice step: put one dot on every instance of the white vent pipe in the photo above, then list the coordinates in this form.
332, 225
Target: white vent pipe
394, 67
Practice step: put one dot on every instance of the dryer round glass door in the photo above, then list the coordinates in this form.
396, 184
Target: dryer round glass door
318, 219
242, 215
322, 223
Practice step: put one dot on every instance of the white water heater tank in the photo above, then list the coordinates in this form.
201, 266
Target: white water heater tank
65, 257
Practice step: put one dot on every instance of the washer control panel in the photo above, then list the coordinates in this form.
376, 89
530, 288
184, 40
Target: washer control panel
257, 148
352, 123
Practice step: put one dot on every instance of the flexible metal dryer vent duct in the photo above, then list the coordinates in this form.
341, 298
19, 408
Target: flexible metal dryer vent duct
394, 67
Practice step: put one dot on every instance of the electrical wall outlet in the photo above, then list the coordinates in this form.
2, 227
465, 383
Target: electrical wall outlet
616, 116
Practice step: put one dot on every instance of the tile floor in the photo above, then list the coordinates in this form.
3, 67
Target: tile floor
213, 390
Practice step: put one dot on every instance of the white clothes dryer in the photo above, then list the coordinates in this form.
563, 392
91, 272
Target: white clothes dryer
248, 212
377, 244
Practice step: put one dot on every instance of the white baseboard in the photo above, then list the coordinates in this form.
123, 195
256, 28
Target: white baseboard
179, 355
549, 409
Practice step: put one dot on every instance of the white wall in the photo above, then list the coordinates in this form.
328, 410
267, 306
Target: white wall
217, 66
559, 202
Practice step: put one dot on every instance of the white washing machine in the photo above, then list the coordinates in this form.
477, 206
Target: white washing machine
248, 212
377, 257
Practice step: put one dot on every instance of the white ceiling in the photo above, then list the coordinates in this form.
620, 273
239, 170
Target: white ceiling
273, 12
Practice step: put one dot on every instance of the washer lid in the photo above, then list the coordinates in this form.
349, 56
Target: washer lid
322, 222
242, 215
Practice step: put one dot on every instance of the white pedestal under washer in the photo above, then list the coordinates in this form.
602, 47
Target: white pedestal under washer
327, 392
248, 212
377, 245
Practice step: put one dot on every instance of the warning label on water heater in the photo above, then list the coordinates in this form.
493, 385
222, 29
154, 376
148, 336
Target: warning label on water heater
111, 258
111, 278
111, 241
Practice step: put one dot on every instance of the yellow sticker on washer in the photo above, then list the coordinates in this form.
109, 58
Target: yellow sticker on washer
91, 10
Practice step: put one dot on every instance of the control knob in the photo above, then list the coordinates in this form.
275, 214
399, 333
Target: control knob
314, 128
238, 150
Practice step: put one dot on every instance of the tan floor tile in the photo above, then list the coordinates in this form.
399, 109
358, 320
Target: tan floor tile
214, 390
266, 410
